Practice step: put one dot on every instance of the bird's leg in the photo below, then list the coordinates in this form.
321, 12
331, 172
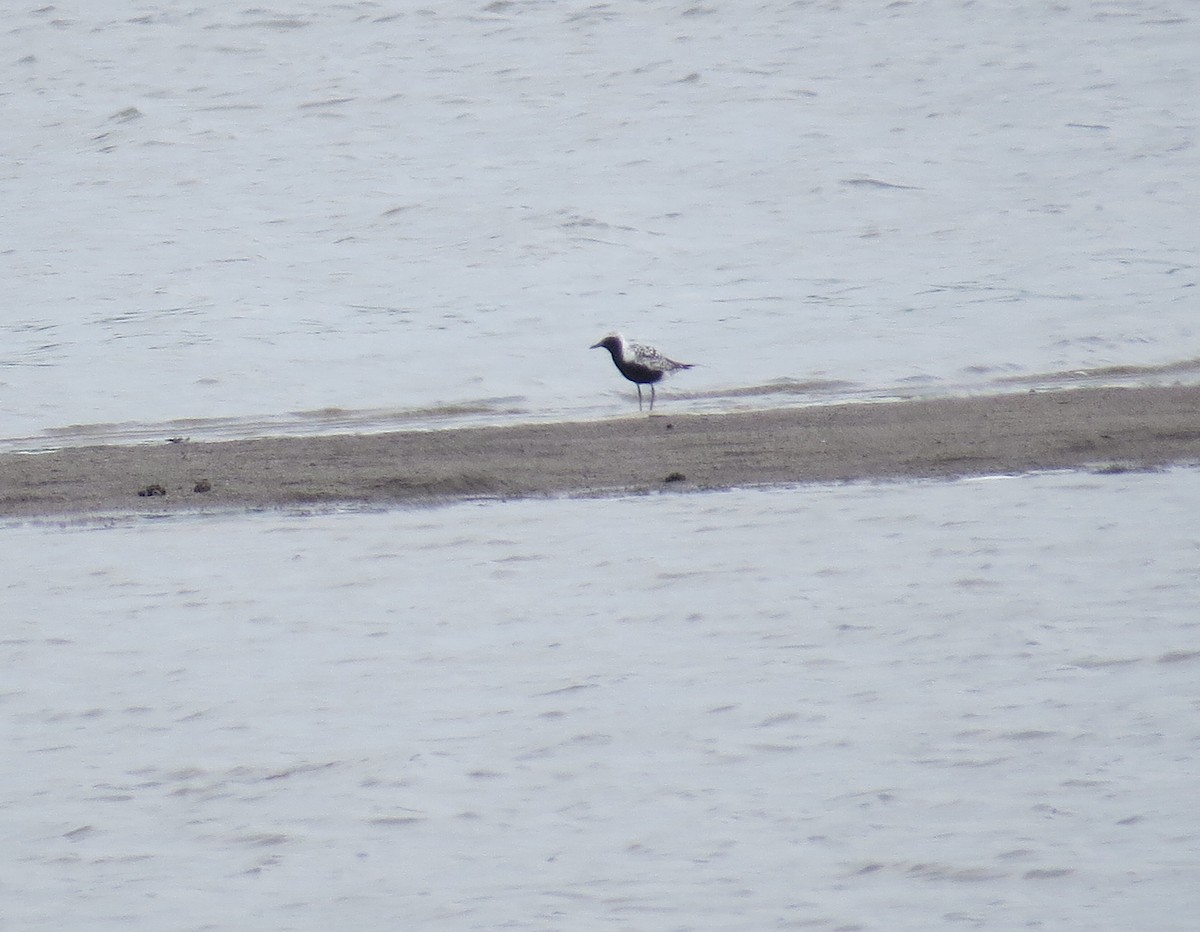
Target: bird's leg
651, 396
639, 388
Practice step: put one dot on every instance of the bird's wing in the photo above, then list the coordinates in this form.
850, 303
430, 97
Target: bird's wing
651, 358
646, 355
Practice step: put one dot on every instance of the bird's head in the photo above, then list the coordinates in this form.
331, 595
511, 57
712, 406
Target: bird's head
614, 343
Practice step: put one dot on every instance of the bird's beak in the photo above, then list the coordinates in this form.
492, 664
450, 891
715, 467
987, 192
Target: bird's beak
595, 346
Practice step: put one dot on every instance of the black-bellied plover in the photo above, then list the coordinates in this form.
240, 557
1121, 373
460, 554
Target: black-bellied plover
641, 364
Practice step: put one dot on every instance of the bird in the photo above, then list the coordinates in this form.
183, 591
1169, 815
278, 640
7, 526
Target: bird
641, 364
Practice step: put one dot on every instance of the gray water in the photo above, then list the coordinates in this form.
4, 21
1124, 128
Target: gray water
886, 707
873, 707
238, 219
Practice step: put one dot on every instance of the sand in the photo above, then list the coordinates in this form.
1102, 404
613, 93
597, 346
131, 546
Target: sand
1096, 428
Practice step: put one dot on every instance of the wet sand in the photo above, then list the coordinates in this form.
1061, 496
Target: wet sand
1099, 429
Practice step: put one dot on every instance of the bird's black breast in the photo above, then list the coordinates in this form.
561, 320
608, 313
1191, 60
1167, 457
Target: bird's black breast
636, 372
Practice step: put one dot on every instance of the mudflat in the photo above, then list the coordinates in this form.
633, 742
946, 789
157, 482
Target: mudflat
1092, 428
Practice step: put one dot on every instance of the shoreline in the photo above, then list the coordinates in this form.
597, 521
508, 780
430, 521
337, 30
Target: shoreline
1099, 428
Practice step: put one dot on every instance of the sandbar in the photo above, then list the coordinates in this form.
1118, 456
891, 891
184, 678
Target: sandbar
1100, 429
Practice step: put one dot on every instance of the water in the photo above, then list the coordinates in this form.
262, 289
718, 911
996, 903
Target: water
242, 218
872, 706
